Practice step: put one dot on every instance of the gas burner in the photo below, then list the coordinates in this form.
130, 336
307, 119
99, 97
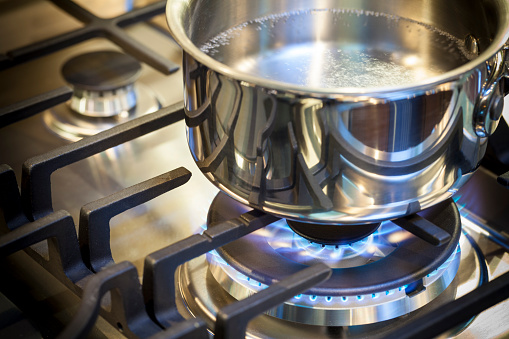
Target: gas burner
298, 249
332, 234
105, 94
383, 276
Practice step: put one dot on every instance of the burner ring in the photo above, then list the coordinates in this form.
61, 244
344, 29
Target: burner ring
343, 311
202, 295
405, 265
66, 123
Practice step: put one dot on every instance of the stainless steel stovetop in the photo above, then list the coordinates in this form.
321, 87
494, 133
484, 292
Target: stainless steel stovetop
181, 212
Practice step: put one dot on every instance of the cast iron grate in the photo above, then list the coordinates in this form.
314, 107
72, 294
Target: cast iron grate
96, 27
25, 109
111, 28
84, 264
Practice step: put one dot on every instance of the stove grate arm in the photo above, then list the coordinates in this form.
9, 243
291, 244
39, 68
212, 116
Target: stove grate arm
232, 319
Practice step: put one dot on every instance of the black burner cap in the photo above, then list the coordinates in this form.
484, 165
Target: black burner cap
101, 71
332, 234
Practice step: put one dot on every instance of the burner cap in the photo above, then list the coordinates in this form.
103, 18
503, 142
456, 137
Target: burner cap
101, 71
332, 234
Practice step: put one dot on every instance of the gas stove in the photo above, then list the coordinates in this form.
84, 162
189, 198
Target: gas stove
119, 234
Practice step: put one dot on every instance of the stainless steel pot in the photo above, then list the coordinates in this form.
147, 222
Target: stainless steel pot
341, 111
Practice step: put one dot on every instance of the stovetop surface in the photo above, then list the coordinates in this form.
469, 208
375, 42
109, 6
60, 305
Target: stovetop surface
181, 212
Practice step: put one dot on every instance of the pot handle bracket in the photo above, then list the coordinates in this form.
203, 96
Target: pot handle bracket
490, 105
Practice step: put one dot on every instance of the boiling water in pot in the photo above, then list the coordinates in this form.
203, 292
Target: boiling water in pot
332, 65
338, 48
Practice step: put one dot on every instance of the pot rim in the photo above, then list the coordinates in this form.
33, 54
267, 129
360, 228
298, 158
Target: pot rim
175, 7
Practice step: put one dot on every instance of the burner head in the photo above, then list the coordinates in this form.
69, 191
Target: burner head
104, 95
332, 234
102, 82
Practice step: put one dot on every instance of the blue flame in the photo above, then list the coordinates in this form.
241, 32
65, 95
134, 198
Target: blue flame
282, 239
298, 249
